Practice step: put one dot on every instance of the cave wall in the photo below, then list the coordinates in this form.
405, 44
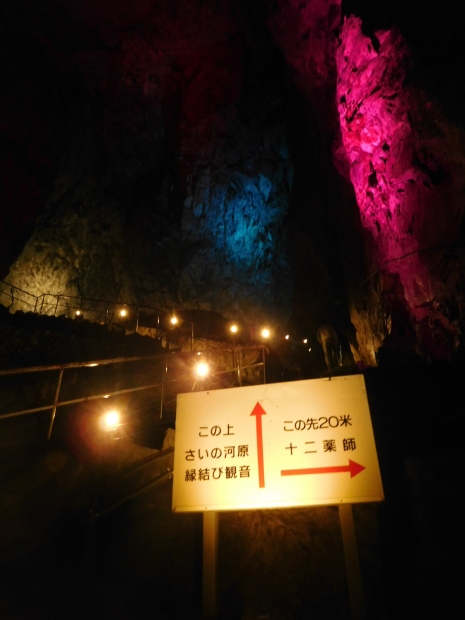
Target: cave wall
404, 160
275, 160
403, 157
171, 169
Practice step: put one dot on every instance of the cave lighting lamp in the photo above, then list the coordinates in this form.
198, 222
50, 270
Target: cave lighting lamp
78, 313
305, 340
111, 420
123, 313
174, 320
234, 328
266, 333
202, 369
286, 337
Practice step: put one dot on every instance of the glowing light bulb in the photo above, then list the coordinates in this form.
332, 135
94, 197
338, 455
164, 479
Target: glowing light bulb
110, 420
174, 320
202, 369
266, 332
233, 328
123, 312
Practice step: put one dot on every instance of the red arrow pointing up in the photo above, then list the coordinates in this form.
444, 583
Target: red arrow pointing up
352, 467
258, 411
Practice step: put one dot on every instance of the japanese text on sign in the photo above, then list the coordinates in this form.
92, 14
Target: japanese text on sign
289, 444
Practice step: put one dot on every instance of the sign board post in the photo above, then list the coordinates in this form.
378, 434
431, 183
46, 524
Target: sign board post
210, 564
301, 443
354, 577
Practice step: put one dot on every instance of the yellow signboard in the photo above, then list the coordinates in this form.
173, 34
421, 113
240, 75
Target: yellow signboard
300, 443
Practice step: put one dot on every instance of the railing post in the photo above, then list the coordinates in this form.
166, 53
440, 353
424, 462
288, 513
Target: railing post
354, 576
210, 565
239, 375
264, 365
57, 394
163, 379
56, 305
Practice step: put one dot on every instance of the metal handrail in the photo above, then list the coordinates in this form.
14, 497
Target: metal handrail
162, 384
89, 364
61, 368
17, 288
11, 295
103, 315
57, 296
40, 301
74, 401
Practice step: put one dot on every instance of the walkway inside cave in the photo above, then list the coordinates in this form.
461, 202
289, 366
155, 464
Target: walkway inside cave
87, 529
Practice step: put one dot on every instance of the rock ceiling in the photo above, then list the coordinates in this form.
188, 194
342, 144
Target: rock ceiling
300, 161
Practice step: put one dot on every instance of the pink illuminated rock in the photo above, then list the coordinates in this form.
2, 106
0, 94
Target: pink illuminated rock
398, 174
169, 131
402, 158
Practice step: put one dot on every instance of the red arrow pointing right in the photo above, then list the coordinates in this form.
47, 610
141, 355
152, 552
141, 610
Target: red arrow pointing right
352, 467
